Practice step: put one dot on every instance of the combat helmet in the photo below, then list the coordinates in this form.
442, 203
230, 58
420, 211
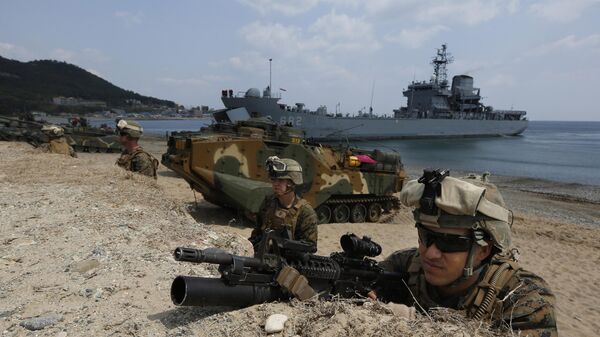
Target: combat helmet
471, 203
284, 168
130, 128
53, 130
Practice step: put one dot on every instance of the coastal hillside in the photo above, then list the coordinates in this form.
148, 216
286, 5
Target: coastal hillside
33, 85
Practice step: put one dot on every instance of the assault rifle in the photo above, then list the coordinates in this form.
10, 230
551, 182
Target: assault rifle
246, 281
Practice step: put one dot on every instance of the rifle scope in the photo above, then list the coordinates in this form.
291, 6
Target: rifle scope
355, 246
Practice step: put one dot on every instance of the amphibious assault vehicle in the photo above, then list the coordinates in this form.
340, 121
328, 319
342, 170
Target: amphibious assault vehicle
226, 163
82, 139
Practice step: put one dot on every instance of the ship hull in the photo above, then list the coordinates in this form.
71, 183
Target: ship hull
322, 127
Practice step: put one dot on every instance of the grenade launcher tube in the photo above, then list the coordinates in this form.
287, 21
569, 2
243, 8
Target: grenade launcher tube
205, 292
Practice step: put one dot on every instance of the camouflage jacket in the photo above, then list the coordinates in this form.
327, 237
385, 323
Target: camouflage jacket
139, 161
300, 218
58, 145
523, 300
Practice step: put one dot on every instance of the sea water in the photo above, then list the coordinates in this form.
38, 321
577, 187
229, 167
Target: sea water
558, 151
161, 127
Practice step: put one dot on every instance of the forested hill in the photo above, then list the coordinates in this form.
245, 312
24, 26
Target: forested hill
34, 84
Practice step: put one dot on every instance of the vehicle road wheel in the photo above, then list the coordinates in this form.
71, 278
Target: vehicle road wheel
387, 206
341, 213
374, 212
323, 214
359, 213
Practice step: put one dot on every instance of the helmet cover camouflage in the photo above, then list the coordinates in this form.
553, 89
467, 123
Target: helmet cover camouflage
130, 128
464, 203
53, 130
284, 168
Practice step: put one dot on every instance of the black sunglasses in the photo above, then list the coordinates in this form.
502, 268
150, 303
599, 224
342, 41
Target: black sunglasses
446, 243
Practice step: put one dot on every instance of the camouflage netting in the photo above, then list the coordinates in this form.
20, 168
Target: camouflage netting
87, 246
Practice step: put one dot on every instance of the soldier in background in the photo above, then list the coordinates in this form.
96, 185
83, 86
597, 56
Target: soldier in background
57, 143
134, 158
463, 261
285, 209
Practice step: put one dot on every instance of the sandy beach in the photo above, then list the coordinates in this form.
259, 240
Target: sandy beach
88, 246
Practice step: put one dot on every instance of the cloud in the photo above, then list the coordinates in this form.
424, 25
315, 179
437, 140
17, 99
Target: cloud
330, 33
130, 18
203, 81
249, 61
560, 10
62, 55
415, 38
567, 43
341, 32
6, 47
13, 51
276, 38
288, 8
469, 12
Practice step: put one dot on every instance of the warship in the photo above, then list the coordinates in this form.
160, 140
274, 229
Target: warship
434, 109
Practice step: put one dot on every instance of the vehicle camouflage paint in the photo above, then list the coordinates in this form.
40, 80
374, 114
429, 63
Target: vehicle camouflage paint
82, 139
226, 163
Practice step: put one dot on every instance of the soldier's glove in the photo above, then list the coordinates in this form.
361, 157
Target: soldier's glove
291, 280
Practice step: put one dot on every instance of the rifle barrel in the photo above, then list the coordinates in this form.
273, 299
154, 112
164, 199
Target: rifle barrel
215, 257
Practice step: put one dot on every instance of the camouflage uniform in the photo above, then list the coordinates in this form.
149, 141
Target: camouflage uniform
139, 161
300, 219
57, 143
60, 146
529, 306
502, 293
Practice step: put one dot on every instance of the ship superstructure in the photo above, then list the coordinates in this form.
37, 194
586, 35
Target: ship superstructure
434, 109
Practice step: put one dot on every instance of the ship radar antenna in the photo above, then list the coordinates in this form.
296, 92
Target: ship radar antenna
439, 62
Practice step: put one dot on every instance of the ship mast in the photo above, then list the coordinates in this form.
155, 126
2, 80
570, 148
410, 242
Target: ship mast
439, 62
270, 87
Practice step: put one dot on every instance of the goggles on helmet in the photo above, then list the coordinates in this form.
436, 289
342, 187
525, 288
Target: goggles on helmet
276, 167
446, 243
275, 164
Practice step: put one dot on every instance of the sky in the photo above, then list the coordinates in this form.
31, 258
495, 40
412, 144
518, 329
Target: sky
538, 56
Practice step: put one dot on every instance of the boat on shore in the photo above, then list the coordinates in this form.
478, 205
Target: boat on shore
434, 109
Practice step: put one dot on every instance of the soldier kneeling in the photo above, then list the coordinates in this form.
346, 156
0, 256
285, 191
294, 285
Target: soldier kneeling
463, 261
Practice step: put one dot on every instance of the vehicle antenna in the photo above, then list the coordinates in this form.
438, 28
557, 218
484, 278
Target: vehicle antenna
372, 94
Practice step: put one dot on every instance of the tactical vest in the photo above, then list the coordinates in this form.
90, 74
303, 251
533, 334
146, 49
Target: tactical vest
126, 160
481, 301
276, 217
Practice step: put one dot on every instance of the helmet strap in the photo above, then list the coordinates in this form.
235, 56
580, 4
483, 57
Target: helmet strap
468, 270
289, 187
